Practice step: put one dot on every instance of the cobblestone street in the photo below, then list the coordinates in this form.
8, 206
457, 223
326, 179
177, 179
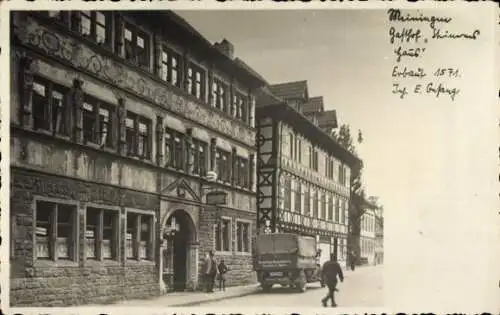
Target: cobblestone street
361, 288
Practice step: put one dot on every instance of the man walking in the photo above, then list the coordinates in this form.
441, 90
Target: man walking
331, 269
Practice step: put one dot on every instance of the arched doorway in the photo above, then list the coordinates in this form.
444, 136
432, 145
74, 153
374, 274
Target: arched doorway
180, 233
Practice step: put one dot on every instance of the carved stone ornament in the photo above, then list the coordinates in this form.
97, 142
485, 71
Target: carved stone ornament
87, 60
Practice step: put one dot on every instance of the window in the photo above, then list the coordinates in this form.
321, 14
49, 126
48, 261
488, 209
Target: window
196, 81
199, 151
101, 234
170, 67
219, 97
287, 193
323, 205
242, 172
55, 231
138, 135
243, 237
344, 211
337, 209
50, 110
136, 46
97, 123
299, 150
139, 236
307, 201
173, 149
292, 144
314, 159
94, 25
223, 235
315, 199
311, 156
239, 109
298, 197
341, 174
223, 165
330, 207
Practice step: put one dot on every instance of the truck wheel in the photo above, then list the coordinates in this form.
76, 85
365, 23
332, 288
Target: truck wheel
266, 287
302, 282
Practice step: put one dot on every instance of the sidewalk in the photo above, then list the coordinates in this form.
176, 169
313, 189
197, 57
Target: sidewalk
193, 298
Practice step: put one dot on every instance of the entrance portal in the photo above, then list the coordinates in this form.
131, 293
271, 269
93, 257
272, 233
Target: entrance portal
180, 233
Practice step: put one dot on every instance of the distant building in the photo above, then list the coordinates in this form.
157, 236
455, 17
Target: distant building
367, 236
303, 173
116, 117
379, 237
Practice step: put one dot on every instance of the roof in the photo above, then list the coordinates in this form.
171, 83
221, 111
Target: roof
175, 25
289, 114
264, 97
328, 119
315, 104
290, 90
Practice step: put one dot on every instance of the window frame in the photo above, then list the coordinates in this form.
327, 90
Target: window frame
307, 200
136, 243
192, 82
96, 132
240, 106
220, 96
218, 235
248, 223
148, 147
287, 193
48, 111
297, 204
52, 230
224, 171
99, 238
175, 158
147, 37
77, 26
242, 168
168, 66
200, 165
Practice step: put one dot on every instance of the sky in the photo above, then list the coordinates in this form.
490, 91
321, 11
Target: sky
430, 160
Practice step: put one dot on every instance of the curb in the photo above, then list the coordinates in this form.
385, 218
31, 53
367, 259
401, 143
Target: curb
194, 303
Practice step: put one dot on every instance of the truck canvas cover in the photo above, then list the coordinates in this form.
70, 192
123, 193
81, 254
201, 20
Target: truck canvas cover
284, 250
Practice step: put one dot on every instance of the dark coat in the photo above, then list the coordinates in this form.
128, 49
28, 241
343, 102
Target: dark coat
330, 271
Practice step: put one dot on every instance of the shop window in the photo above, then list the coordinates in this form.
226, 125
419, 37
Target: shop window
139, 236
243, 237
50, 109
223, 236
101, 234
55, 231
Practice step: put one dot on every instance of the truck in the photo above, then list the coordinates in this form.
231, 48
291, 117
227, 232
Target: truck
287, 259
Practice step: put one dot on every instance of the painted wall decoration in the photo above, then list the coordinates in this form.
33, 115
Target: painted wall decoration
81, 56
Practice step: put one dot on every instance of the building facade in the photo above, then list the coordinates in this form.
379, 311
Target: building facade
116, 117
367, 236
303, 174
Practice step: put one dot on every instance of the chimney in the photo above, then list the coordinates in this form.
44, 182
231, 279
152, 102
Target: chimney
225, 47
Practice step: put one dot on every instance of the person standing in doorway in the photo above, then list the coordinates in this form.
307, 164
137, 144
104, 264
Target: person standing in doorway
329, 273
222, 275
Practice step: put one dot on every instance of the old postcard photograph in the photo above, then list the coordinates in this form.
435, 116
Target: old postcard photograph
168, 158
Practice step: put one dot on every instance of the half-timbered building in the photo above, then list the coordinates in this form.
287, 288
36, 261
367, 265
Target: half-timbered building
116, 117
303, 173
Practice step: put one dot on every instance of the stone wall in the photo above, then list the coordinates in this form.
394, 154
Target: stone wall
239, 264
64, 283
